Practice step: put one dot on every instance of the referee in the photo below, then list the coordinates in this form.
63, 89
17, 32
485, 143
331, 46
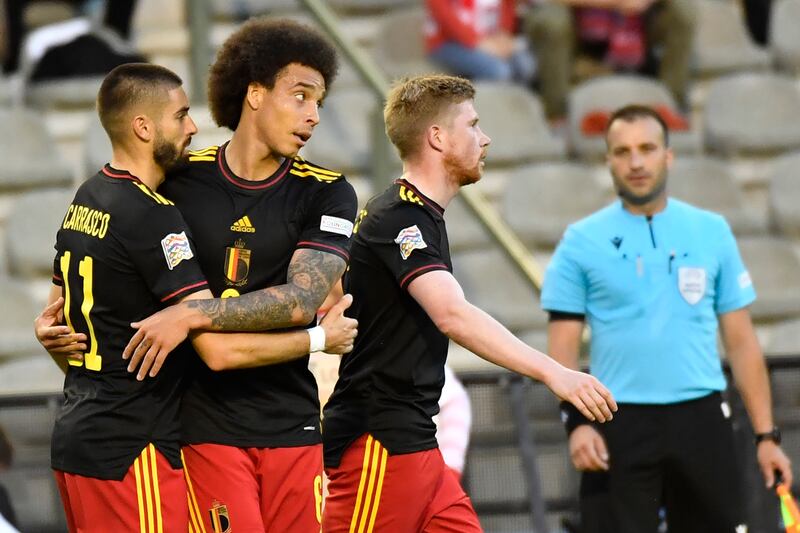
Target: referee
654, 277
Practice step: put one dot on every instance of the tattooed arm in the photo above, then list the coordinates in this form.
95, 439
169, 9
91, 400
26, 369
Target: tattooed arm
311, 275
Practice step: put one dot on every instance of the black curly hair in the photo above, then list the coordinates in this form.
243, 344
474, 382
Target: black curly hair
257, 52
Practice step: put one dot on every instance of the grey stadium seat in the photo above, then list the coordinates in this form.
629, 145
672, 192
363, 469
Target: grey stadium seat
341, 140
721, 42
67, 93
784, 37
541, 200
96, 146
370, 5
18, 310
775, 270
464, 231
491, 282
750, 114
609, 93
30, 245
784, 339
784, 194
28, 152
400, 48
242, 9
513, 117
708, 183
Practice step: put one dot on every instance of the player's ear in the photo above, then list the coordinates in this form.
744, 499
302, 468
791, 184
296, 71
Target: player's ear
143, 128
254, 95
435, 136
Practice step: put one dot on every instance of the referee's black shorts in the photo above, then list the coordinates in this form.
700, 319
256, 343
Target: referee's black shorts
678, 456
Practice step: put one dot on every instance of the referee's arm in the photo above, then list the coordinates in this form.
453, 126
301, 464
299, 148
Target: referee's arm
750, 374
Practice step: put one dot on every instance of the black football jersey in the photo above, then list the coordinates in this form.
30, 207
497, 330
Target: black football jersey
123, 252
389, 385
246, 233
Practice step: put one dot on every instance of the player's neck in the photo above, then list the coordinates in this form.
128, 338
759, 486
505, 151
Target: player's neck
144, 168
430, 181
249, 158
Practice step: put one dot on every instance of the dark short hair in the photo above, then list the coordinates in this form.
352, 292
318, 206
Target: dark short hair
257, 53
416, 103
631, 112
129, 86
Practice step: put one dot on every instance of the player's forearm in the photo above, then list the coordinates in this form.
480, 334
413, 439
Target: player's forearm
750, 374
311, 276
480, 333
228, 351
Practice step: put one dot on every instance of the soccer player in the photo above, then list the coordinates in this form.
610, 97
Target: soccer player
386, 472
272, 234
655, 278
123, 252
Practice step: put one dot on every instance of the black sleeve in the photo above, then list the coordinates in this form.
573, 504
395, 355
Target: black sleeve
329, 219
407, 239
163, 253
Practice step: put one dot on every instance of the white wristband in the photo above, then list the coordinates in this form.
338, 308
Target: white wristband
316, 336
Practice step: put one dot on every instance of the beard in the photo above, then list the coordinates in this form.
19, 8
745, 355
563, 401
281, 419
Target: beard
167, 155
641, 199
454, 166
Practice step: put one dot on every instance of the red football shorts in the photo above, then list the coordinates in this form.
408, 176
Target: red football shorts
151, 498
372, 491
254, 490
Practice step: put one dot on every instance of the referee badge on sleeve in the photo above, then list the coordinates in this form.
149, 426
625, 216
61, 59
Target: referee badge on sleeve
410, 239
692, 283
176, 248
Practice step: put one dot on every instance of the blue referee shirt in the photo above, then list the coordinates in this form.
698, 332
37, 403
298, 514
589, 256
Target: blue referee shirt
651, 289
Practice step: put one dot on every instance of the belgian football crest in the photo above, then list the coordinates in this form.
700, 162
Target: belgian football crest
692, 283
220, 520
237, 263
410, 239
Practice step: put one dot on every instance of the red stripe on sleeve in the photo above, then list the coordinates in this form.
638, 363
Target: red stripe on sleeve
437, 266
184, 289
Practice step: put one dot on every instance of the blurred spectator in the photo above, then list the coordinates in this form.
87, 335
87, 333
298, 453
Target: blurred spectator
757, 15
6, 510
632, 31
475, 39
453, 422
118, 16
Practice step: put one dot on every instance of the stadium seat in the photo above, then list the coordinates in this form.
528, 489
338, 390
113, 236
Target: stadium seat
400, 47
708, 183
242, 9
18, 309
784, 194
358, 6
775, 271
721, 42
496, 476
784, 339
492, 283
35, 498
513, 117
751, 114
31, 232
64, 93
341, 140
605, 94
784, 38
28, 152
541, 200
464, 231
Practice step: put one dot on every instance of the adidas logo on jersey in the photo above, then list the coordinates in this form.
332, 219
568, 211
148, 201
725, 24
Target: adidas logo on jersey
243, 225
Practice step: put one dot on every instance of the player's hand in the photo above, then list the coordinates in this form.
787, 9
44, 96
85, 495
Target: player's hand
585, 392
156, 336
340, 331
770, 459
58, 340
588, 450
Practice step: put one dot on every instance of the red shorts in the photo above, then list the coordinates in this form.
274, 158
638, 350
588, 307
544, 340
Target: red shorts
254, 490
372, 491
151, 498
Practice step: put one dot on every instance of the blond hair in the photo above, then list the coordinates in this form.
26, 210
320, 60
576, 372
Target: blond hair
414, 104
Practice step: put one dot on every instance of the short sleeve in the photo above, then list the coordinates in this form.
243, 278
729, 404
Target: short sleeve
564, 287
408, 241
164, 254
734, 288
329, 220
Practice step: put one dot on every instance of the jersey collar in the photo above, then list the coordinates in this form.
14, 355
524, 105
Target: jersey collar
249, 185
427, 201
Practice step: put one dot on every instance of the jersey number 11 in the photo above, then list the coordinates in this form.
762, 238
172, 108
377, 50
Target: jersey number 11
91, 359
